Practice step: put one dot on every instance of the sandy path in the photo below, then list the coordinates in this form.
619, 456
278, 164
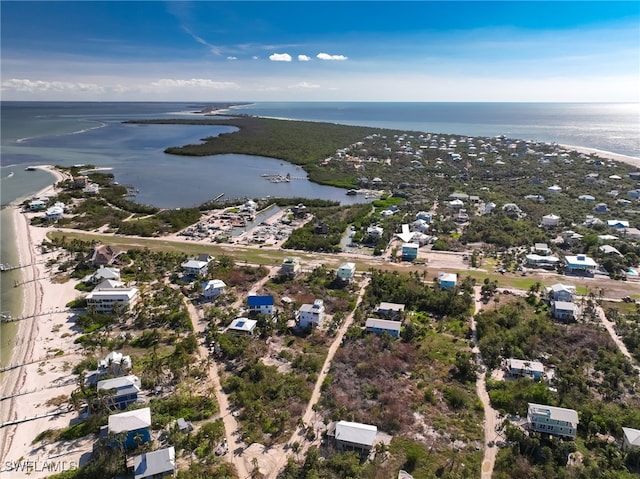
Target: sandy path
490, 414
298, 435
610, 327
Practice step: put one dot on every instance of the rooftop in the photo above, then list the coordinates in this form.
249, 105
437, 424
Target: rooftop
356, 432
556, 413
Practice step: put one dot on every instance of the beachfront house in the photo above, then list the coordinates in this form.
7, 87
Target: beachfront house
631, 439
213, 288
311, 315
114, 363
525, 368
353, 436
155, 465
580, 264
55, 212
556, 421
260, 304
447, 280
104, 273
346, 271
110, 300
131, 428
243, 326
103, 255
123, 390
37, 205
379, 326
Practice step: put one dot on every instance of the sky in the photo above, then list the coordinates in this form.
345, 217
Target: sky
512, 51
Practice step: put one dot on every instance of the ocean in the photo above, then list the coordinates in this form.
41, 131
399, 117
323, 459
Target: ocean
68, 133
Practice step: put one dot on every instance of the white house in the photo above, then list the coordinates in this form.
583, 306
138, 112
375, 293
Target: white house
194, 267
290, 266
618, 224
104, 272
354, 435
213, 288
554, 189
115, 363
346, 271
311, 315
243, 326
561, 292
550, 220
631, 438
108, 299
556, 421
55, 212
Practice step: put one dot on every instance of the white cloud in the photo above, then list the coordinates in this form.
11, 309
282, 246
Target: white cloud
254, 57
32, 86
303, 58
326, 56
304, 84
280, 57
194, 82
232, 58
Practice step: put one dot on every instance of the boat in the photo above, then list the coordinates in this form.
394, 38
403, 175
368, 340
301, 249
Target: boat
352, 192
30, 168
10, 175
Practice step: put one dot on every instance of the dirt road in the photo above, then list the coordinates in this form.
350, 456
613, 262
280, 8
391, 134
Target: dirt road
490, 415
298, 435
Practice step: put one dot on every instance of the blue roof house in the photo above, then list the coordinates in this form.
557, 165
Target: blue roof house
260, 304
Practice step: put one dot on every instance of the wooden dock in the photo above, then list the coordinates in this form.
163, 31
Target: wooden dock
31, 418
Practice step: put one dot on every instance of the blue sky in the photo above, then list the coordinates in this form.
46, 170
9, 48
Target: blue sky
321, 51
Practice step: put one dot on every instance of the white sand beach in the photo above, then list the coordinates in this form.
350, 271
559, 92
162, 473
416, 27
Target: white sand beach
44, 346
630, 160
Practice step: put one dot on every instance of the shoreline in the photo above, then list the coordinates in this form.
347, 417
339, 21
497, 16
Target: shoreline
629, 160
43, 344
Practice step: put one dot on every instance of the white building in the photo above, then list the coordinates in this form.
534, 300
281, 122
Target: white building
108, 299
243, 326
104, 272
631, 438
311, 315
550, 220
556, 421
354, 435
194, 267
213, 288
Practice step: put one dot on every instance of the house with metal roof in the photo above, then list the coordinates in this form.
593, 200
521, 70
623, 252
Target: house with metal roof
390, 310
556, 421
447, 280
155, 465
125, 390
631, 438
564, 310
346, 271
580, 264
523, 367
136, 424
194, 267
354, 436
311, 315
379, 326
561, 292
260, 304
213, 288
